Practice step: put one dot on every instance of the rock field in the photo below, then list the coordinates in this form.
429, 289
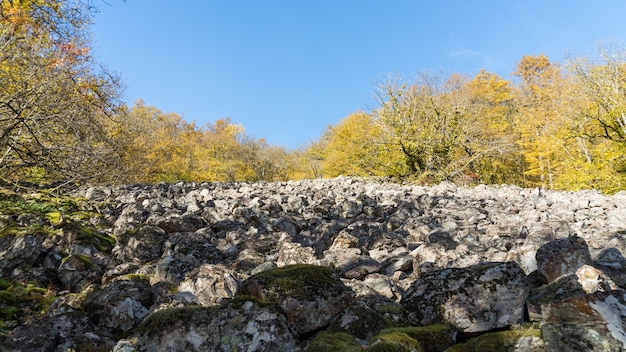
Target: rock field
341, 264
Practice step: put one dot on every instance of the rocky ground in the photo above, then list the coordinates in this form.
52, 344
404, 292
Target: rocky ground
321, 265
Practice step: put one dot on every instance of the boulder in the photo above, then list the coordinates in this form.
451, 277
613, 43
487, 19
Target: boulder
359, 320
612, 263
311, 296
140, 245
211, 284
587, 279
477, 298
591, 322
526, 339
122, 304
17, 250
77, 272
431, 338
563, 256
248, 327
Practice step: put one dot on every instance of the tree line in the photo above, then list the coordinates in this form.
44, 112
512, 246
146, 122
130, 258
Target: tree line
62, 119
557, 126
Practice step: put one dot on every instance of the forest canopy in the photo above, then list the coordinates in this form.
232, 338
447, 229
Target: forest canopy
557, 125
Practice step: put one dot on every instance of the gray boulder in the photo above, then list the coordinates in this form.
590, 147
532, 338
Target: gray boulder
563, 256
478, 298
120, 305
248, 327
592, 322
311, 296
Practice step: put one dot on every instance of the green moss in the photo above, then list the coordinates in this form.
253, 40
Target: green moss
19, 299
102, 242
137, 277
495, 341
9, 312
338, 341
7, 298
48, 213
159, 321
437, 336
14, 229
394, 341
54, 217
300, 281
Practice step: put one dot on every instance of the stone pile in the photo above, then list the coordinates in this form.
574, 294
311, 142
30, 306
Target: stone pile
324, 265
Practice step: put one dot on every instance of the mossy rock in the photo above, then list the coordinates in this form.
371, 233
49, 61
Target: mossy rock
434, 338
394, 314
45, 213
88, 234
499, 341
225, 328
160, 320
360, 321
300, 281
15, 229
394, 341
310, 296
333, 341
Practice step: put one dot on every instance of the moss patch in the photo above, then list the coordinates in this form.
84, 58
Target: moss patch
88, 234
301, 281
328, 341
496, 341
44, 213
437, 337
159, 321
394, 341
19, 300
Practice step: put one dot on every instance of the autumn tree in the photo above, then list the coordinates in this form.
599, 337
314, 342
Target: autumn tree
268, 162
604, 83
540, 118
490, 139
352, 148
155, 146
601, 118
423, 121
54, 99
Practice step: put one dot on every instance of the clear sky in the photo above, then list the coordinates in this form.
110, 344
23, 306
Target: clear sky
286, 69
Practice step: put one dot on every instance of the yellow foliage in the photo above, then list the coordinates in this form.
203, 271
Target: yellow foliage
351, 148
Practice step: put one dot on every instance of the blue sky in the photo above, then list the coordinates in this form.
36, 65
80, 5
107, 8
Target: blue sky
286, 69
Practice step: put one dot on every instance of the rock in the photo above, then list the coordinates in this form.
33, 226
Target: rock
519, 340
382, 285
20, 249
333, 341
357, 267
382, 245
403, 263
431, 338
291, 253
120, 305
359, 321
311, 296
140, 245
562, 257
591, 322
397, 341
250, 327
612, 263
473, 299
211, 284
77, 272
